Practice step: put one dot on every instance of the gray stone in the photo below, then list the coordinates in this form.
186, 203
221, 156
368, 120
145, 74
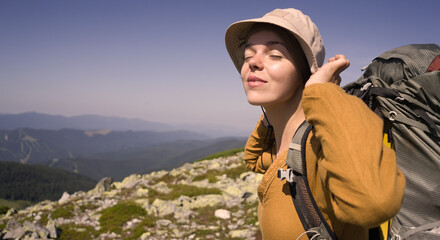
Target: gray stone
102, 186
163, 222
11, 212
240, 233
12, 224
64, 199
37, 228
16, 233
223, 213
52, 229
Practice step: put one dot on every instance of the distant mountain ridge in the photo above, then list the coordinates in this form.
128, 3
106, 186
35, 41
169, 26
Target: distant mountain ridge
84, 122
115, 154
96, 122
42, 146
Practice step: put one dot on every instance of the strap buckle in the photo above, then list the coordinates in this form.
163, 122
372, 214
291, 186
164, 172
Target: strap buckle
286, 174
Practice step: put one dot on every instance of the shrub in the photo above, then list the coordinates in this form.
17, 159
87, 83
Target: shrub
3, 209
72, 232
113, 218
226, 153
182, 189
236, 172
211, 175
63, 212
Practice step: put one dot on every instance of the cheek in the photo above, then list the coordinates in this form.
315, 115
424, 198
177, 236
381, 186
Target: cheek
243, 76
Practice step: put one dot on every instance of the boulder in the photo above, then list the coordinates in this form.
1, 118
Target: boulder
52, 229
64, 199
102, 186
222, 213
16, 233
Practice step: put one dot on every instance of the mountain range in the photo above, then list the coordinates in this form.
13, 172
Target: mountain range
96, 122
107, 153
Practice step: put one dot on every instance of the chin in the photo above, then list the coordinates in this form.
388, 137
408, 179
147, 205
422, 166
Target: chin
255, 102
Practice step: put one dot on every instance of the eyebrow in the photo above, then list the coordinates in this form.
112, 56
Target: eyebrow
269, 43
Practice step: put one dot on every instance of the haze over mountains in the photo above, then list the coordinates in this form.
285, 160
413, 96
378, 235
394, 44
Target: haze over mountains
99, 147
92, 122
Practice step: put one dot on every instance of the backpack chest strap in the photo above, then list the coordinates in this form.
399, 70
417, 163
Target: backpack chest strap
295, 149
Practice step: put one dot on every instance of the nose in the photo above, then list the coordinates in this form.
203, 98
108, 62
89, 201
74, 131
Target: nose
256, 62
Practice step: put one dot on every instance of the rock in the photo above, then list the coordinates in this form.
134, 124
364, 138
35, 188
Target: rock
102, 186
64, 199
163, 222
131, 224
241, 233
162, 208
52, 229
223, 213
17, 233
207, 200
161, 187
246, 195
234, 191
142, 192
36, 228
134, 182
435, 230
11, 212
12, 224
145, 236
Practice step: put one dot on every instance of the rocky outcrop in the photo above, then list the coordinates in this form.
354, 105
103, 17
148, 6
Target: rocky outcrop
209, 199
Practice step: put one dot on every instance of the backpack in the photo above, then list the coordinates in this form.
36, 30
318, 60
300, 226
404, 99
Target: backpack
403, 87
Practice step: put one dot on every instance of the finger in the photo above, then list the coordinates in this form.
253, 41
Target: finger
342, 58
338, 80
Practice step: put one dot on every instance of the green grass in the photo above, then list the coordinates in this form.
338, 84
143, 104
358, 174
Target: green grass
113, 218
236, 172
3, 209
71, 232
226, 153
88, 206
17, 204
63, 212
2, 225
169, 179
182, 189
148, 221
206, 215
212, 174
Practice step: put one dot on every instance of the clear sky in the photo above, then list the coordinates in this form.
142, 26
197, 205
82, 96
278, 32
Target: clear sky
165, 61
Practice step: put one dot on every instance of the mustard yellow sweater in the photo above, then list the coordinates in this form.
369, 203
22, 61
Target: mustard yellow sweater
352, 175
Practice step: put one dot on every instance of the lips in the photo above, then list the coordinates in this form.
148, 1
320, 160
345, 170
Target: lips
253, 81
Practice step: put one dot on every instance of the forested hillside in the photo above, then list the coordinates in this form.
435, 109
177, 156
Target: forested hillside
43, 146
36, 183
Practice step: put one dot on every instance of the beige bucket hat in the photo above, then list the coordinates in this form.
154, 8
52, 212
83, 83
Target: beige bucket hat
294, 21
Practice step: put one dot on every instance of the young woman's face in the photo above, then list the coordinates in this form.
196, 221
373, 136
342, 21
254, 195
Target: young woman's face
268, 73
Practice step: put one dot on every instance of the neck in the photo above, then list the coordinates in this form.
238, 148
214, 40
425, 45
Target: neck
285, 119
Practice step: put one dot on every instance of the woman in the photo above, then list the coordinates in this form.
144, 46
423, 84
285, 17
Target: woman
353, 177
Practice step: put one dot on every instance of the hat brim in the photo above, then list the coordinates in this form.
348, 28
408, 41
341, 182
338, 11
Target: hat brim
236, 35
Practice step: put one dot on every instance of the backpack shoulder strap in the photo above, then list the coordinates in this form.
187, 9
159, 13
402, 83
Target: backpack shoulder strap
311, 218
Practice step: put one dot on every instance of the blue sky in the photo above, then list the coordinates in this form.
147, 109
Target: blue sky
165, 60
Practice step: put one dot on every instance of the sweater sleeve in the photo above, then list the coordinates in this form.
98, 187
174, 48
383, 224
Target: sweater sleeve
256, 159
359, 172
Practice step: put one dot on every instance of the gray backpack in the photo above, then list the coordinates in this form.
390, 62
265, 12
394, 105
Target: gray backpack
403, 87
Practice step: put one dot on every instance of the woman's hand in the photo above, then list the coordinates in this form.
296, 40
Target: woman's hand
330, 71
